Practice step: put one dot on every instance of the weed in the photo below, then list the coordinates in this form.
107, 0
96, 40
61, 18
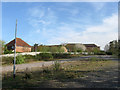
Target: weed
7, 60
27, 76
46, 70
56, 66
20, 59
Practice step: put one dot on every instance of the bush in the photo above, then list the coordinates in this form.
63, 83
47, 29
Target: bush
29, 56
101, 53
56, 66
7, 60
109, 53
20, 59
44, 56
27, 76
61, 55
79, 50
6, 51
46, 70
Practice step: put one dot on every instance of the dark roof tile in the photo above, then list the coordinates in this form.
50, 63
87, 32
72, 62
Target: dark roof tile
19, 42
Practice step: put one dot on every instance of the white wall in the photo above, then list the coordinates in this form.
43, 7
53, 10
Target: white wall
25, 53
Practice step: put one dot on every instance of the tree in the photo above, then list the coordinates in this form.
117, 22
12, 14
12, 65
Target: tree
119, 48
61, 49
42, 48
2, 46
53, 49
35, 47
6, 51
112, 47
106, 48
96, 51
79, 50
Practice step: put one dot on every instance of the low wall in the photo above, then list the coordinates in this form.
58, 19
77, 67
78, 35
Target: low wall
25, 53
34, 53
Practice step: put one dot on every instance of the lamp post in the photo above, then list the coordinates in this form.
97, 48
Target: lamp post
15, 51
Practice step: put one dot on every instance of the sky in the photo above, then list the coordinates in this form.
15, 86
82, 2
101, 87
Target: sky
51, 23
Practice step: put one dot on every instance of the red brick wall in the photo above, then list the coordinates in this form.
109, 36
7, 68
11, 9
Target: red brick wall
90, 49
23, 49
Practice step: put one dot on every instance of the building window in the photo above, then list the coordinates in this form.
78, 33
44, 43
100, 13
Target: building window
12, 47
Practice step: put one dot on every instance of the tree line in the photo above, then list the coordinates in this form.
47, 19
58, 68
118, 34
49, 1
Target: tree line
113, 48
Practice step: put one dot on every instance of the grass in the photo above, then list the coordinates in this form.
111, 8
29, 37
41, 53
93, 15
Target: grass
88, 65
48, 76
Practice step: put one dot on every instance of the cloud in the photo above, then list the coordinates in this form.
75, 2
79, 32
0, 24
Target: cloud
98, 5
109, 25
41, 16
71, 11
100, 35
38, 31
51, 31
36, 12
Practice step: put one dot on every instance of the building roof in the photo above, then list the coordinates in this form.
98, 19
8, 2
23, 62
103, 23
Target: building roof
90, 45
19, 42
53, 45
72, 43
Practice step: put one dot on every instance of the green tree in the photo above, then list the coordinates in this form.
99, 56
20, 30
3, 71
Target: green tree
61, 49
42, 48
35, 47
112, 48
6, 51
96, 51
119, 48
79, 50
2, 46
54, 49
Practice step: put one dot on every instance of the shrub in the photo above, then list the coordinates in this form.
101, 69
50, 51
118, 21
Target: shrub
27, 76
56, 66
101, 53
79, 50
45, 56
29, 56
46, 70
109, 53
61, 55
7, 60
20, 59
6, 51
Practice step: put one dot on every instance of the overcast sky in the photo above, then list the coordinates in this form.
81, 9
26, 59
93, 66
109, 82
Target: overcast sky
55, 22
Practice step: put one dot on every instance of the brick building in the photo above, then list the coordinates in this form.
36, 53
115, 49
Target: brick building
71, 47
21, 46
91, 47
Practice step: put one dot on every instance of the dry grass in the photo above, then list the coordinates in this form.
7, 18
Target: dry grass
42, 77
88, 65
